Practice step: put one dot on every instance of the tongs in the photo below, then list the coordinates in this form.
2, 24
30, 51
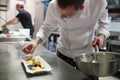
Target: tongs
31, 56
96, 48
94, 56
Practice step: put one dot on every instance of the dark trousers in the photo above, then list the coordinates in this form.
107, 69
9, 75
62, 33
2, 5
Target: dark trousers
66, 59
31, 32
72, 63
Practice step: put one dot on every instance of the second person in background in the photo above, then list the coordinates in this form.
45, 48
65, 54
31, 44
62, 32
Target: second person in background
23, 17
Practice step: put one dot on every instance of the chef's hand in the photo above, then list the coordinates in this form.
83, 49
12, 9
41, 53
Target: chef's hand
4, 26
99, 40
29, 48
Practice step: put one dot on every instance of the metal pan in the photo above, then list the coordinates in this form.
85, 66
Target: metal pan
106, 63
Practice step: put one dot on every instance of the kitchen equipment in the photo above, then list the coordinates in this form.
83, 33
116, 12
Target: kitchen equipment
94, 57
107, 63
5, 30
25, 32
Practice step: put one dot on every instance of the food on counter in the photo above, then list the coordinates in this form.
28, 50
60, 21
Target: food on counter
34, 64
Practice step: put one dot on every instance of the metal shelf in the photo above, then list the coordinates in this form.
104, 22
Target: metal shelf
3, 7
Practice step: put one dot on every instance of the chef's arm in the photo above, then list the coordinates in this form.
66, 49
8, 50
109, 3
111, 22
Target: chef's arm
99, 40
30, 48
38, 40
102, 36
13, 21
103, 29
104, 24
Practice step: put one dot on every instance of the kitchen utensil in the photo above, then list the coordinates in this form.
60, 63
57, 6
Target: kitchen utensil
107, 63
31, 56
5, 30
95, 57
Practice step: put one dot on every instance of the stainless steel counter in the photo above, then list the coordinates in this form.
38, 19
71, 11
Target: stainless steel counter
14, 36
11, 67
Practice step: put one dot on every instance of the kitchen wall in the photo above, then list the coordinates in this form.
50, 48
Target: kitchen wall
39, 15
35, 7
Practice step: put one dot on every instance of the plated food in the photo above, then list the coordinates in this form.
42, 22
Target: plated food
36, 64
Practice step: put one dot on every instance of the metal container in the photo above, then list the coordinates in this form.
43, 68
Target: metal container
98, 63
5, 31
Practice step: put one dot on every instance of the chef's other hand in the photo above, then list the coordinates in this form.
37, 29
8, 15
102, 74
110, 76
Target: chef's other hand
4, 26
29, 48
99, 40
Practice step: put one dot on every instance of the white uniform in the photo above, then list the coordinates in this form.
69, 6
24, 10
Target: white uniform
76, 33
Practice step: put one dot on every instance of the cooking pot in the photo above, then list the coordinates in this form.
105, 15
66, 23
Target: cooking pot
98, 63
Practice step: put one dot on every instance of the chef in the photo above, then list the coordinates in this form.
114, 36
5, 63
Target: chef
76, 20
23, 17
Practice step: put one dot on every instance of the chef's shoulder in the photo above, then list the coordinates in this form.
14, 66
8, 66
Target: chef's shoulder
98, 4
52, 7
52, 3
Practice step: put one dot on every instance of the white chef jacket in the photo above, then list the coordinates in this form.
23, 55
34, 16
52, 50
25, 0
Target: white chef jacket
76, 33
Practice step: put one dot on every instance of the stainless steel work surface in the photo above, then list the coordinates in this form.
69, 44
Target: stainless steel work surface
11, 67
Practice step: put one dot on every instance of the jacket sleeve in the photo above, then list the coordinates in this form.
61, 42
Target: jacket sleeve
48, 25
104, 22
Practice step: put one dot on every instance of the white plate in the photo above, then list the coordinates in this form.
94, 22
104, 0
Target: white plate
46, 65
